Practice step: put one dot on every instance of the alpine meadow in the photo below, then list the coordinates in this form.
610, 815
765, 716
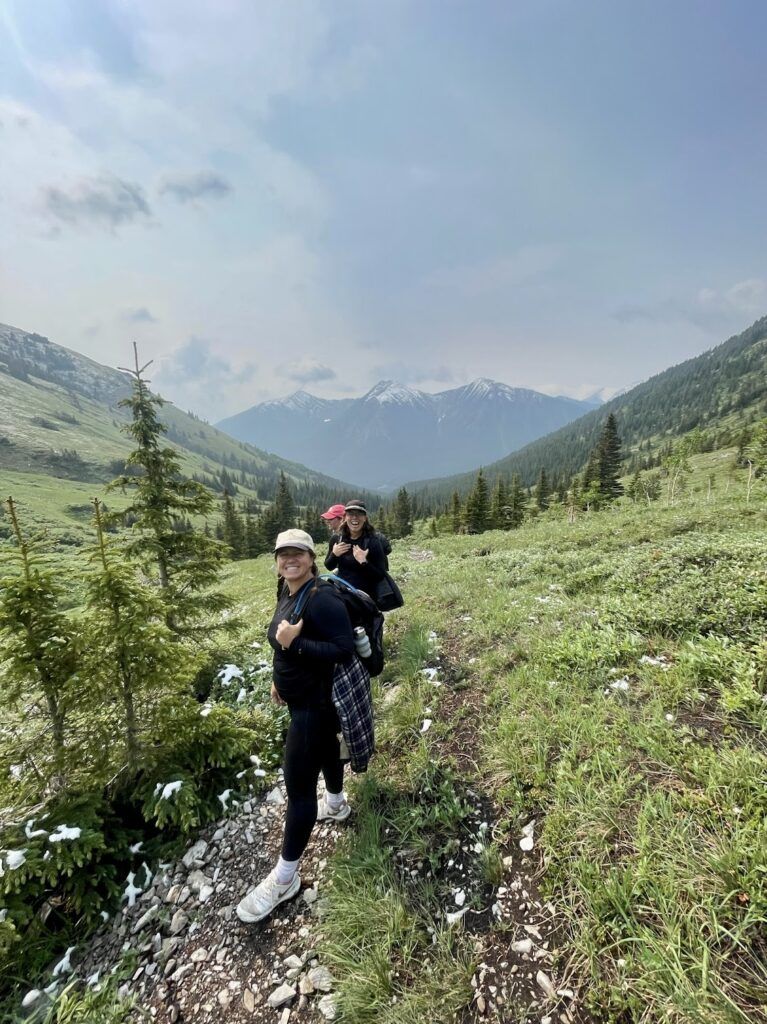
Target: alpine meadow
383, 512
565, 818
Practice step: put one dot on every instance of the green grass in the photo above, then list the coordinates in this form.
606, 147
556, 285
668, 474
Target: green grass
651, 794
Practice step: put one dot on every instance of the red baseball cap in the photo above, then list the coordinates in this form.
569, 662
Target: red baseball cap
334, 512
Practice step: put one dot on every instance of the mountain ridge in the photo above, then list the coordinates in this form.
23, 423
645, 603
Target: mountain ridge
392, 427
698, 392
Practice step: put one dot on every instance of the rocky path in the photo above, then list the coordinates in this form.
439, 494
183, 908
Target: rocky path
194, 960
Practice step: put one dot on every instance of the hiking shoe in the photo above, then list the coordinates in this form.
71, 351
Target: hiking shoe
324, 810
261, 901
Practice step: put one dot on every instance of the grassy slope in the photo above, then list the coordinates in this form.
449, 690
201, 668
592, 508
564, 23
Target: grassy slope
28, 469
651, 798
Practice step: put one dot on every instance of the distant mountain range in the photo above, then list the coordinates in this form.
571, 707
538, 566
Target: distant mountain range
395, 432
719, 390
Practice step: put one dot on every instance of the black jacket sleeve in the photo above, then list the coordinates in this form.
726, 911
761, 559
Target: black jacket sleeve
375, 567
330, 559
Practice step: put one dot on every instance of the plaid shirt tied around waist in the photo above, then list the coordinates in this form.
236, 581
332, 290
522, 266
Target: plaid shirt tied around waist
354, 705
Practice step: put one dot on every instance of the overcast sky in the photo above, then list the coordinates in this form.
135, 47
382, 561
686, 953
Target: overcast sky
563, 194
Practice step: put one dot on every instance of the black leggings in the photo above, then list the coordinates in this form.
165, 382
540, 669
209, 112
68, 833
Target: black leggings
311, 747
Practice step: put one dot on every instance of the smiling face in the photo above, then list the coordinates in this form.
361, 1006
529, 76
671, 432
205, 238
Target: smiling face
356, 522
295, 566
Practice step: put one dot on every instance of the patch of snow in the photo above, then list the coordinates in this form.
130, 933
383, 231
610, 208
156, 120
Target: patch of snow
31, 998
30, 834
65, 832
224, 798
168, 789
620, 684
205, 710
16, 771
430, 673
64, 965
426, 725
259, 773
136, 846
92, 980
242, 695
228, 673
131, 890
15, 858
459, 896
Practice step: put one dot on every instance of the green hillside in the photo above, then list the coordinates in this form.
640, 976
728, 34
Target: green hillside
717, 391
61, 439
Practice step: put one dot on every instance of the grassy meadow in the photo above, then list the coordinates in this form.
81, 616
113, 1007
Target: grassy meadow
606, 678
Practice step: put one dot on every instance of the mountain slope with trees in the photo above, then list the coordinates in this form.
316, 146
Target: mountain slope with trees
716, 392
60, 434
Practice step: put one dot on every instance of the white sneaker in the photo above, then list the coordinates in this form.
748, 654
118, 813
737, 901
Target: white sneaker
324, 810
261, 901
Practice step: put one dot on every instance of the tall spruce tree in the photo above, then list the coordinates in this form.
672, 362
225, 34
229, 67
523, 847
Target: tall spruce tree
403, 514
284, 506
184, 565
609, 460
456, 513
234, 529
542, 491
499, 510
478, 506
516, 502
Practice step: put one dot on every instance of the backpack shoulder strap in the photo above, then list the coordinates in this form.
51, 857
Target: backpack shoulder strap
309, 588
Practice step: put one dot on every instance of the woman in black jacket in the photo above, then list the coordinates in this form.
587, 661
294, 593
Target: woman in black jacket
305, 655
357, 554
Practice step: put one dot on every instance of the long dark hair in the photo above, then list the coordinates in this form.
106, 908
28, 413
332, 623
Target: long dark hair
368, 530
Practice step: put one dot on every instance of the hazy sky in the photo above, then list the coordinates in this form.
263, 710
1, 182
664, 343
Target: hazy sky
267, 196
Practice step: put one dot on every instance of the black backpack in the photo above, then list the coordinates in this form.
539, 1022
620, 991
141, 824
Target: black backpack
362, 610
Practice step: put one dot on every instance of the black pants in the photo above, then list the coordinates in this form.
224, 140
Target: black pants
311, 747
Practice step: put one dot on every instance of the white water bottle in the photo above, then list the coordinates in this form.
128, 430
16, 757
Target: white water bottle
362, 642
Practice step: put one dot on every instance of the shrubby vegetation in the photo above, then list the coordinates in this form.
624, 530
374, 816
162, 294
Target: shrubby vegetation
105, 742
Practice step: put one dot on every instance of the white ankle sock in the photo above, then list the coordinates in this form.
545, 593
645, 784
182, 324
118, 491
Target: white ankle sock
285, 870
335, 800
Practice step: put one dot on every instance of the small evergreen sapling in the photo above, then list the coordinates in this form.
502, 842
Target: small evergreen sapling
183, 564
132, 660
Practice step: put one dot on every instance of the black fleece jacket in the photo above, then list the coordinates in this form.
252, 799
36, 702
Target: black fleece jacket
303, 674
362, 576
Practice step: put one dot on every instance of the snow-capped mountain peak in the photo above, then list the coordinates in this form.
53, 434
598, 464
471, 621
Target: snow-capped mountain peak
389, 392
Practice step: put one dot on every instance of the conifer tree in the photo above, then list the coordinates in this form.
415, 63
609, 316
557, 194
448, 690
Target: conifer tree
542, 491
183, 565
516, 503
456, 512
499, 511
609, 459
478, 506
130, 659
234, 529
403, 514
38, 643
284, 506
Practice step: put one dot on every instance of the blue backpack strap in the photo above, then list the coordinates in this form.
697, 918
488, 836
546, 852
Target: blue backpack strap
337, 579
303, 597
